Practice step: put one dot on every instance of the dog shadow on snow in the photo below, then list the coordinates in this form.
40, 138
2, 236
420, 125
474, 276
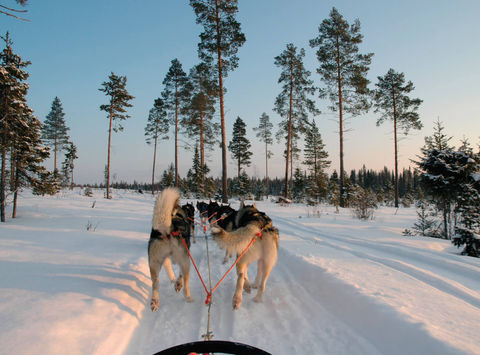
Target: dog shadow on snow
88, 280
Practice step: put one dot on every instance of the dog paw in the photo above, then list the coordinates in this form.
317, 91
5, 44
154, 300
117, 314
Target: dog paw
258, 299
246, 287
178, 285
189, 300
236, 302
154, 304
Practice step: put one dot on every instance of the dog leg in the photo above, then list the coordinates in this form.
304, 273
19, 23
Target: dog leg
185, 269
167, 264
226, 257
246, 286
154, 271
258, 278
237, 296
266, 268
179, 283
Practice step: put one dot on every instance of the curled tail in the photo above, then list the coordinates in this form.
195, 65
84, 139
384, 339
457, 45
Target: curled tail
235, 241
165, 207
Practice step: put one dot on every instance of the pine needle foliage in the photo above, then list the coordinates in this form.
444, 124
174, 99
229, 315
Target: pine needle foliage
343, 70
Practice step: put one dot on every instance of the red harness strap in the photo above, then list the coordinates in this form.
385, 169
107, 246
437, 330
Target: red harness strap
209, 294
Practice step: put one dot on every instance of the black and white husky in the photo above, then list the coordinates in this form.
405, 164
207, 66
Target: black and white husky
250, 222
169, 226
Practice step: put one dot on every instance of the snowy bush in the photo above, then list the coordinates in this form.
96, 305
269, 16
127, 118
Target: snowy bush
363, 203
470, 239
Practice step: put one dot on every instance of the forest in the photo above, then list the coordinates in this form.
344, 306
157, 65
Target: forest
444, 183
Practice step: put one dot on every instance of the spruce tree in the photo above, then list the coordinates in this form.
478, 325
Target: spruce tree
393, 102
264, 133
198, 112
13, 109
299, 185
195, 174
344, 71
173, 95
55, 130
239, 145
115, 90
219, 44
27, 155
316, 161
69, 163
293, 102
157, 127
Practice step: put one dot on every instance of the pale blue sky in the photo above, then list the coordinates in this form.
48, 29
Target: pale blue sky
74, 45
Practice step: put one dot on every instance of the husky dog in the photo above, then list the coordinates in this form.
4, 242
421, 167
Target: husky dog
169, 226
189, 209
250, 222
202, 208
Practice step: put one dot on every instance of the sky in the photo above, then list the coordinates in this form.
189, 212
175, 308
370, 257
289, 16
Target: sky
74, 46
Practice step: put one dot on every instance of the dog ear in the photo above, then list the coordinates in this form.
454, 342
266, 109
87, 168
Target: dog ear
255, 205
242, 205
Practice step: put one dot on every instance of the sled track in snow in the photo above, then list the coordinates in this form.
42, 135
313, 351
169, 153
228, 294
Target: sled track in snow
413, 267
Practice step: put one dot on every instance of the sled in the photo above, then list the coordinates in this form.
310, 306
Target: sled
213, 346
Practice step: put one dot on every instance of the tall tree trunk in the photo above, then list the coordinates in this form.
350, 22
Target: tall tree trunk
202, 155
108, 154
266, 168
222, 111
15, 192
12, 167
340, 118
176, 135
72, 182
396, 149
289, 136
55, 156
2, 182
154, 160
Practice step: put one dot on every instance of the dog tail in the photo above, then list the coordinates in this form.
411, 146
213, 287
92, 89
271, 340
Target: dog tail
235, 241
165, 207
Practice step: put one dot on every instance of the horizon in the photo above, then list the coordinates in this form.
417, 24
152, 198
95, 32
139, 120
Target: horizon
73, 47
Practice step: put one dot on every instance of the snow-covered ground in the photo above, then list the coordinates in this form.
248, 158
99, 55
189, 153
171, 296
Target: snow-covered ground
74, 279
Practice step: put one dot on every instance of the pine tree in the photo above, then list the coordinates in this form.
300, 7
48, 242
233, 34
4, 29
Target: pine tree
168, 177
293, 102
344, 72
28, 154
55, 130
157, 127
333, 194
221, 39
13, 109
391, 99
119, 99
174, 95
447, 178
69, 163
264, 133
8, 11
239, 145
316, 161
299, 185
195, 174
424, 224
198, 112
439, 140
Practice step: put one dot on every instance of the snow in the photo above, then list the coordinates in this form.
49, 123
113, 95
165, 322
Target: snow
341, 286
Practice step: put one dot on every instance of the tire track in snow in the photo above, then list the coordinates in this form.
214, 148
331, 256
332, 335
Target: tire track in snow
421, 274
